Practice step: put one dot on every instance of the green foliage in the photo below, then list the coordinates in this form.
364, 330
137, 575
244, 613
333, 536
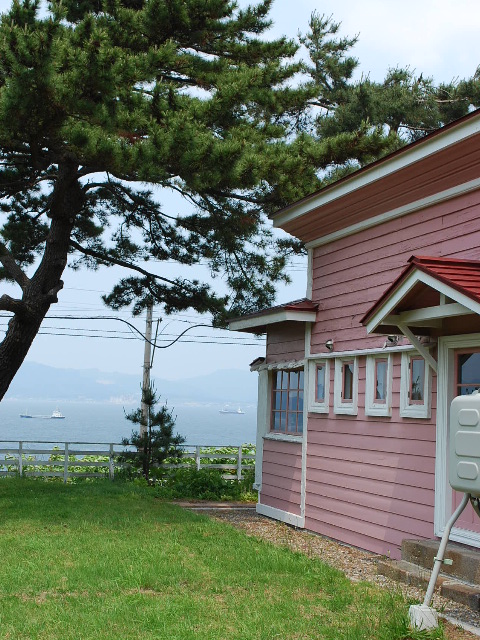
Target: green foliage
155, 442
48, 468
358, 121
105, 104
204, 484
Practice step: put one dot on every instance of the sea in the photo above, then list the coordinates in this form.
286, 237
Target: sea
199, 424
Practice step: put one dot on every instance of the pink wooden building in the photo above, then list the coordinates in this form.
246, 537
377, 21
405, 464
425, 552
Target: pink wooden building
355, 387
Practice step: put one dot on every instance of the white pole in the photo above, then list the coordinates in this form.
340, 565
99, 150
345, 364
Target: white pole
422, 616
146, 366
439, 558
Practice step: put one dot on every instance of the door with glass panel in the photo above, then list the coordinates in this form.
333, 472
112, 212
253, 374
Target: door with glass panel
466, 380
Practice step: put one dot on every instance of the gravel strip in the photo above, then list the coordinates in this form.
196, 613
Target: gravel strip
356, 564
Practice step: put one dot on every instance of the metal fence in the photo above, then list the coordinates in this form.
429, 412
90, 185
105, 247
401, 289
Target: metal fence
69, 460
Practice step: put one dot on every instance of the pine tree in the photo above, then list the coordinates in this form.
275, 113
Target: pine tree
104, 103
155, 442
101, 101
357, 121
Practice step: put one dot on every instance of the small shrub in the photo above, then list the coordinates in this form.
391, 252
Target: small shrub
157, 443
203, 484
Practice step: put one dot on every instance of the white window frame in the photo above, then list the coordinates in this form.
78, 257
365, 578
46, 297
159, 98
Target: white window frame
339, 406
373, 408
417, 410
314, 406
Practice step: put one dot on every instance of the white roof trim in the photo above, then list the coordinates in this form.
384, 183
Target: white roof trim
282, 315
384, 312
428, 316
409, 156
275, 366
331, 355
436, 198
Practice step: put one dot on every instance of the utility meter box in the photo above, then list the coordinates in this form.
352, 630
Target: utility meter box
465, 444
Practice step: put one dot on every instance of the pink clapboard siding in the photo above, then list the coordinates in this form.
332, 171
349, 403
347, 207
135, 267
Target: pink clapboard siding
350, 274
286, 342
282, 475
371, 480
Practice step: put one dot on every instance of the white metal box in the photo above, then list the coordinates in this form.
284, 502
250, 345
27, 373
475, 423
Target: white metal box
464, 463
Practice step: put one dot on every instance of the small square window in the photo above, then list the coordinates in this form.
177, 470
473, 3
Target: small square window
414, 387
378, 386
319, 385
346, 383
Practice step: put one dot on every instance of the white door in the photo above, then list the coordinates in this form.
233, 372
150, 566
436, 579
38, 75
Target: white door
458, 374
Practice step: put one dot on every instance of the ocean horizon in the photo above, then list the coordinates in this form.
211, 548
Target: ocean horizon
105, 422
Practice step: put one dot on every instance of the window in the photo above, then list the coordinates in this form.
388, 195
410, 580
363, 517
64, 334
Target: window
415, 387
287, 402
416, 382
320, 383
467, 371
319, 386
378, 386
345, 391
347, 381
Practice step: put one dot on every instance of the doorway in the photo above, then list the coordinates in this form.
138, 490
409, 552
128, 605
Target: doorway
466, 364
458, 374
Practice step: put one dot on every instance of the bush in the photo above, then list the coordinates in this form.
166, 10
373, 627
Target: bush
204, 484
155, 442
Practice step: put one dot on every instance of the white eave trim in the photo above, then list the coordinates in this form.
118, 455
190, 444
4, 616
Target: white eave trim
464, 304
435, 198
283, 315
275, 366
331, 355
377, 172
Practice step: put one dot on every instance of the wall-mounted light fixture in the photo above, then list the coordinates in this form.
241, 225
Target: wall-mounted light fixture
329, 344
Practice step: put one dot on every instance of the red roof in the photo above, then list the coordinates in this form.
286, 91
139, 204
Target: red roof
461, 275
304, 304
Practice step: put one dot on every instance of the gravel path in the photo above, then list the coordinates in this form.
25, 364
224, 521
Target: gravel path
355, 563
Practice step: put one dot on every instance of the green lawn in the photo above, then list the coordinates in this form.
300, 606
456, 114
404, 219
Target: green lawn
106, 561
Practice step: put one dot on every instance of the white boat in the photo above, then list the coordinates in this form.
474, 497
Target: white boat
56, 415
237, 412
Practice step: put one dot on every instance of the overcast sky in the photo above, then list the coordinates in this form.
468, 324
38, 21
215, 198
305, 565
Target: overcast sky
436, 37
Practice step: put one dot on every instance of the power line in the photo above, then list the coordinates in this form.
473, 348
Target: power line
178, 338
180, 341
100, 333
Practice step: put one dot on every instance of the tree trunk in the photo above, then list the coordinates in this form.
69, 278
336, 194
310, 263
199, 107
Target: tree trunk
41, 290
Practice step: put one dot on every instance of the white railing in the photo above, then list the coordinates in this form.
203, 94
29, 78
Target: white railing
99, 459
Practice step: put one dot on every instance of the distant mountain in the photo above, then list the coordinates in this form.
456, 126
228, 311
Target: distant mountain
37, 381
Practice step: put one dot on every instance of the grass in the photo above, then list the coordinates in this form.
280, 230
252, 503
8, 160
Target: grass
99, 561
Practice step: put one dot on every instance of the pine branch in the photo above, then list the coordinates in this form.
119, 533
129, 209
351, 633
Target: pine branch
7, 303
121, 263
12, 268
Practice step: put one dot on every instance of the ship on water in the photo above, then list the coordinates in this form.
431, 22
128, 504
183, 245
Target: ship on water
55, 415
226, 409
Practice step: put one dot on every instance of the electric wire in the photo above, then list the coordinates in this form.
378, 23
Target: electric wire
178, 338
156, 345
116, 332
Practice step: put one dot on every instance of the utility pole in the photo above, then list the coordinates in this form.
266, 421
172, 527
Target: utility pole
146, 366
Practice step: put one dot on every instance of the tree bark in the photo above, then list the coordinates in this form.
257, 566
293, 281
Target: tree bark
40, 291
